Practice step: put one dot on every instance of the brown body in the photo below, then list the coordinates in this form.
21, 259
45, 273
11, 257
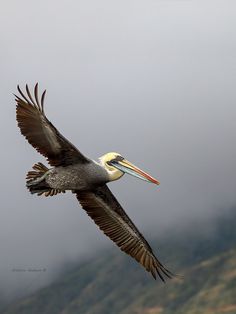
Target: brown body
77, 177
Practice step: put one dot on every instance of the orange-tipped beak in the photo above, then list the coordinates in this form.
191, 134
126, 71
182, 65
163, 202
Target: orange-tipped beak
126, 166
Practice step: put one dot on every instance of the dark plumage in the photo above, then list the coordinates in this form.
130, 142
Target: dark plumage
40, 132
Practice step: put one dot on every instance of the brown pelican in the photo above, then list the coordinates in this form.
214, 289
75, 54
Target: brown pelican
71, 170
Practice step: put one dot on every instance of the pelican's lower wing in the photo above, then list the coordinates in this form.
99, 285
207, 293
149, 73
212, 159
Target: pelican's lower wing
107, 213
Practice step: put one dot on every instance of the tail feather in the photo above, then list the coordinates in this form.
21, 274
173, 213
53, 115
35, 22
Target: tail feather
36, 181
40, 170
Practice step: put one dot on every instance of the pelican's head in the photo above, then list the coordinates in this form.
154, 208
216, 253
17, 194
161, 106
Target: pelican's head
116, 166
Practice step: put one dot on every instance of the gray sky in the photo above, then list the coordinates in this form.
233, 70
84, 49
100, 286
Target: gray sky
153, 80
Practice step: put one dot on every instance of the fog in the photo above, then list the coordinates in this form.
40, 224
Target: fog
152, 80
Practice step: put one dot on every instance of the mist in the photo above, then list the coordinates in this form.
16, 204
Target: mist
152, 80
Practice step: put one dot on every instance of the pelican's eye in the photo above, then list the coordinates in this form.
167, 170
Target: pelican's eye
115, 160
118, 158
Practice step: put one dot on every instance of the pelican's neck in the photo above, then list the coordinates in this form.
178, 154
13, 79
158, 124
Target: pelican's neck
113, 173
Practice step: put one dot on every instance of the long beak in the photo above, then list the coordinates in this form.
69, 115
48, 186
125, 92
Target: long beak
127, 167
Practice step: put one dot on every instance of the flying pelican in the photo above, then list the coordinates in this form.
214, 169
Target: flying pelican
71, 170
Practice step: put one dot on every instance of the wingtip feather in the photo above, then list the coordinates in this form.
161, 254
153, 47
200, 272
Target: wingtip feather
36, 95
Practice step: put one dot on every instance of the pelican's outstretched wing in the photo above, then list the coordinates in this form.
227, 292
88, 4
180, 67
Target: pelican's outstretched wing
40, 132
107, 213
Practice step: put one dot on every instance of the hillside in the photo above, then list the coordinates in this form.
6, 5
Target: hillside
113, 283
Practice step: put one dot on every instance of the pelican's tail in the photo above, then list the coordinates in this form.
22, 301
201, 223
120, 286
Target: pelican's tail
36, 181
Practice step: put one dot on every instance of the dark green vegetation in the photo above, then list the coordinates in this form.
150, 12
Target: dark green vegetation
112, 283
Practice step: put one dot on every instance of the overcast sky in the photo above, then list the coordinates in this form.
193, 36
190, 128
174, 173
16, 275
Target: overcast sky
152, 80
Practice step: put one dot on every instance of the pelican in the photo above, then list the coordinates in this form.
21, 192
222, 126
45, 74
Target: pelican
86, 178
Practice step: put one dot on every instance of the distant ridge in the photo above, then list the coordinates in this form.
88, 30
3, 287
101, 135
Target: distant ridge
112, 284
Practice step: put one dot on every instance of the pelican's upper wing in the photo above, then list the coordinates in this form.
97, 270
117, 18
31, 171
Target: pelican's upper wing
40, 132
107, 213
